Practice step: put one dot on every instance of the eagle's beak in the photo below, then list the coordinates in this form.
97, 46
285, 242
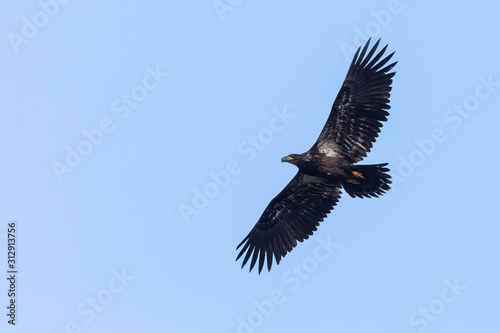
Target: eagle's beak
287, 158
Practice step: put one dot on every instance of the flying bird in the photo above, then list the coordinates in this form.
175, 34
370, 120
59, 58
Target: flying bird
349, 133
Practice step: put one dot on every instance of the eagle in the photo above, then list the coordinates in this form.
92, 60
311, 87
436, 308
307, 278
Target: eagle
352, 127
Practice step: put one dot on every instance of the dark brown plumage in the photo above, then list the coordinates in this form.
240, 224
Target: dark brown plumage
348, 135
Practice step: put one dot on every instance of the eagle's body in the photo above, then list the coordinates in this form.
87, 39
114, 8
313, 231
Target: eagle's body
348, 135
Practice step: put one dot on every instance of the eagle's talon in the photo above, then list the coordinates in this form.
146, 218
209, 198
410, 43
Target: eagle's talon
357, 174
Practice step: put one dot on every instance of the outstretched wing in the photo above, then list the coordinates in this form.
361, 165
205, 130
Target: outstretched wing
360, 107
293, 215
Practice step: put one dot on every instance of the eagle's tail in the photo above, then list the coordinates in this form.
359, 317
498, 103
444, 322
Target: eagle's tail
367, 180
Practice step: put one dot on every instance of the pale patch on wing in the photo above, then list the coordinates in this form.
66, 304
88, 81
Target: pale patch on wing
309, 179
329, 148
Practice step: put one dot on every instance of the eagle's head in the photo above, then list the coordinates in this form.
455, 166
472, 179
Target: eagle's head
297, 159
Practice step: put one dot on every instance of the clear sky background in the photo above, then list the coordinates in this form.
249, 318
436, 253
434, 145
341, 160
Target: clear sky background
142, 141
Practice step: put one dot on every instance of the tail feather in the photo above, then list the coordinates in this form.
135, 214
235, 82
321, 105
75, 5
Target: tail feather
368, 181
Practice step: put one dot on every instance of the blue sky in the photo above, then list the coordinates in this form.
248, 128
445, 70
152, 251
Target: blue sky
141, 143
